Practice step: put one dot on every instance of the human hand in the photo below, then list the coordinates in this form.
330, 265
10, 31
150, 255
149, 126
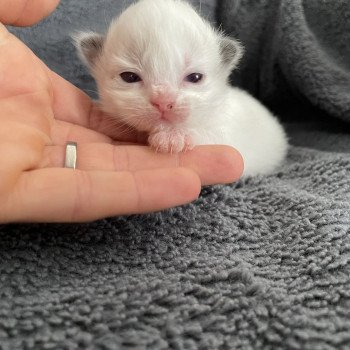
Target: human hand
40, 112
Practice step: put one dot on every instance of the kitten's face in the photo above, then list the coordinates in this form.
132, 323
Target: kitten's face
160, 65
155, 83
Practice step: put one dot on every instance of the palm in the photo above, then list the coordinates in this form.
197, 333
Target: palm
40, 112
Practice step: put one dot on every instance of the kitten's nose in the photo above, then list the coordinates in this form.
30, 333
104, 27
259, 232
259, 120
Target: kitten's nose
163, 104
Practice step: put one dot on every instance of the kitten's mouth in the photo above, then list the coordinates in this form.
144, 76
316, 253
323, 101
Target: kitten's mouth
155, 120
171, 117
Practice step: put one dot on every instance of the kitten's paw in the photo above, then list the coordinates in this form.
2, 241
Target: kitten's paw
173, 141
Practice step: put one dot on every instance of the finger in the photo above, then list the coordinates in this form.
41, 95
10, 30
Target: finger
25, 12
21, 72
63, 132
70, 104
31, 110
66, 195
115, 128
74, 106
213, 164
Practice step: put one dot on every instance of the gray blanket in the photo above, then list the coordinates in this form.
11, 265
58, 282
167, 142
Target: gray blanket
297, 52
259, 264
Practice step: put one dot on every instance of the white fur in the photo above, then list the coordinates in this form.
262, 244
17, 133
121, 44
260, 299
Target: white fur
163, 41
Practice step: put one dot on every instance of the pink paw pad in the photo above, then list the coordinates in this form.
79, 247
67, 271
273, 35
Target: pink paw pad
170, 141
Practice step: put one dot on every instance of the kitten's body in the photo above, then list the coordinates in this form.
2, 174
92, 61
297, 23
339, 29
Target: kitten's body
244, 123
163, 43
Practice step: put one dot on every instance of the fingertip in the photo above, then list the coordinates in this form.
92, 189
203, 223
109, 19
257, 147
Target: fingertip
215, 164
232, 164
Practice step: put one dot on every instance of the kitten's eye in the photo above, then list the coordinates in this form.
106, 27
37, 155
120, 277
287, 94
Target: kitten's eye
194, 77
130, 77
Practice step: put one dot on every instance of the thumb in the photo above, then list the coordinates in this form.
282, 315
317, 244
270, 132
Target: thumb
25, 12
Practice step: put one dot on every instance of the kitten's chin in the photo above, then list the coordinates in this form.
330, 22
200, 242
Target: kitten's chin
151, 125
154, 121
172, 117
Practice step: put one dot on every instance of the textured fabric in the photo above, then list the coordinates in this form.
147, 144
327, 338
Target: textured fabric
260, 264
297, 52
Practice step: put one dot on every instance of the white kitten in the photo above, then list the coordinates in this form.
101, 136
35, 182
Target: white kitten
162, 69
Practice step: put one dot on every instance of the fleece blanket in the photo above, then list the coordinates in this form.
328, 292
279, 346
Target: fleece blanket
297, 53
259, 264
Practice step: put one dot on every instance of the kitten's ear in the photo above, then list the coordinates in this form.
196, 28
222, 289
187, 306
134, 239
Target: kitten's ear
89, 46
231, 52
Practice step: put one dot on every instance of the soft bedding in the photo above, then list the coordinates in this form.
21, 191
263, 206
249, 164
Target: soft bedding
259, 264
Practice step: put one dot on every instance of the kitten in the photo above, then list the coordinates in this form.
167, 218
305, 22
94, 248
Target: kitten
164, 70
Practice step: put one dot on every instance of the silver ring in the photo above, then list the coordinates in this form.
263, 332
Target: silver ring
71, 155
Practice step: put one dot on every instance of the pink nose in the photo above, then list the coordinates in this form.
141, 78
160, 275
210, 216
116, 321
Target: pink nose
163, 105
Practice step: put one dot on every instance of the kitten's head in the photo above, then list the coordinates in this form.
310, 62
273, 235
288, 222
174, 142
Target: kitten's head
159, 64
